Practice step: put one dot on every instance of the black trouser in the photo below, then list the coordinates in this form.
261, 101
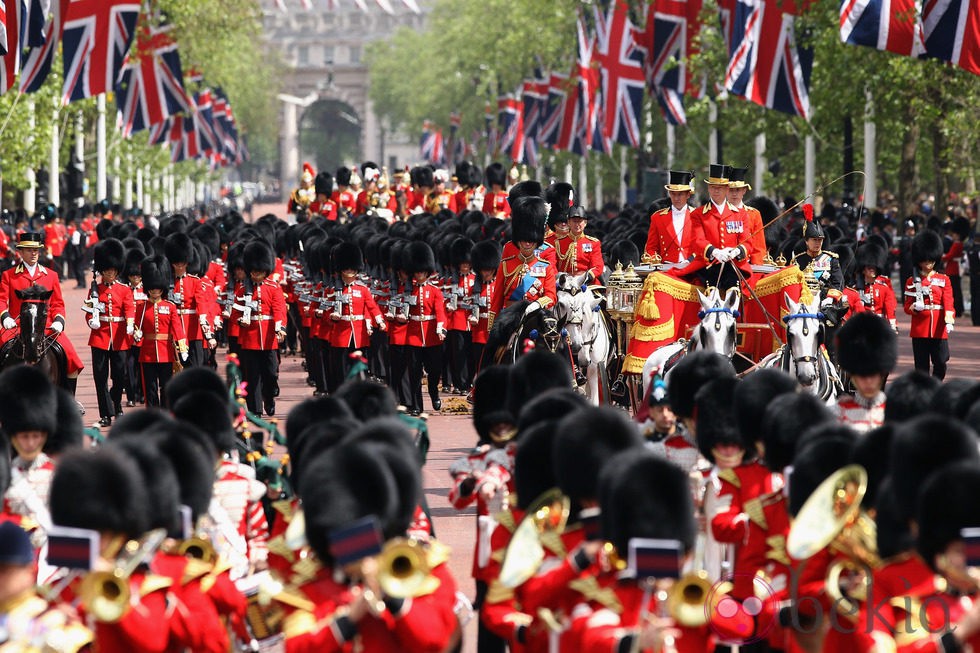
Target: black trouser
398, 378
233, 347
76, 263
340, 364
458, 345
293, 325
378, 360
476, 355
155, 377
195, 353
936, 350
260, 369
319, 363
106, 362
429, 358
134, 382
975, 298
956, 281
486, 641
709, 276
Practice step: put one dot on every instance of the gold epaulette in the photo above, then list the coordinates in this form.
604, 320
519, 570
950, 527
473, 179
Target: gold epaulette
588, 587
299, 623
436, 553
519, 619
753, 508
305, 569
833, 254
295, 599
506, 519
195, 569
592, 238
286, 508
729, 476
498, 592
552, 542
277, 545
152, 583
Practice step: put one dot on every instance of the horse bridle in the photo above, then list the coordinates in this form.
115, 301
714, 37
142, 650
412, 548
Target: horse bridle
796, 316
704, 312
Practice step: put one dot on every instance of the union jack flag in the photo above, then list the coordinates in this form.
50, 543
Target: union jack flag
3, 28
510, 117
151, 87
431, 145
561, 128
589, 92
184, 144
534, 95
34, 18
204, 122
226, 129
37, 61
765, 65
892, 25
952, 32
97, 36
671, 30
160, 132
11, 60
621, 58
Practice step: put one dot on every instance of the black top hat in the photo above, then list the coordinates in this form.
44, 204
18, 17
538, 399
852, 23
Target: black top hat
680, 181
30, 240
717, 175
736, 178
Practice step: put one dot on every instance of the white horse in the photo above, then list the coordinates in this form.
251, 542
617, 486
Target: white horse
714, 333
580, 311
803, 356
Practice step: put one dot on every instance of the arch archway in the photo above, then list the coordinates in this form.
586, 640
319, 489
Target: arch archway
330, 133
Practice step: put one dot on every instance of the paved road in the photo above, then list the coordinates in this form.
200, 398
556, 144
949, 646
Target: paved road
453, 435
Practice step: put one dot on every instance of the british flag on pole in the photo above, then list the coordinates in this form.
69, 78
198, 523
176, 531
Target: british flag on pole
621, 57
510, 116
37, 60
151, 86
952, 32
892, 25
11, 60
766, 65
671, 30
97, 37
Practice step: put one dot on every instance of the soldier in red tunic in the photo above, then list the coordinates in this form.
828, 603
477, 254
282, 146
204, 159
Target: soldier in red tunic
867, 349
876, 288
353, 313
159, 332
485, 260
260, 310
721, 235
461, 313
22, 276
737, 186
671, 233
189, 296
929, 300
495, 202
323, 204
426, 325
343, 196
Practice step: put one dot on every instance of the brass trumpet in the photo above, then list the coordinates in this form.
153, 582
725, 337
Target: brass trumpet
403, 569
546, 517
105, 594
198, 548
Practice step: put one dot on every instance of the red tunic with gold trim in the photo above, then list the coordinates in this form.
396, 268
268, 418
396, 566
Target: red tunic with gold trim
345, 199
194, 622
161, 329
268, 316
518, 279
358, 316
426, 316
19, 278
191, 300
577, 255
936, 294
327, 208
145, 626
721, 229
662, 239
496, 205
879, 298
757, 234
118, 310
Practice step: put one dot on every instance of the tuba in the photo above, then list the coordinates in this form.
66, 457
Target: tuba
547, 515
403, 569
833, 516
105, 594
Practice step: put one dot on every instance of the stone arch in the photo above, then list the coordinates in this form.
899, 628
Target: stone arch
330, 134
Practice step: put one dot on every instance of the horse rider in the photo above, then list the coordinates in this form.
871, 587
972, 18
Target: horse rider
823, 275
576, 252
28, 273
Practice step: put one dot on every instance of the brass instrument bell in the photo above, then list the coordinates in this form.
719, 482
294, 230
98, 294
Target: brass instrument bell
547, 514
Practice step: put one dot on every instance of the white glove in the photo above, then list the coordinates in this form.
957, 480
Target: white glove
57, 327
683, 264
9, 323
130, 329
949, 328
733, 253
720, 255
184, 357
137, 335
533, 306
369, 328
918, 306
827, 301
92, 324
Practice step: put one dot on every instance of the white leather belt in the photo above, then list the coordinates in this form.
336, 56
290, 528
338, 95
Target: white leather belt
187, 311
351, 318
933, 307
111, 319
421, 318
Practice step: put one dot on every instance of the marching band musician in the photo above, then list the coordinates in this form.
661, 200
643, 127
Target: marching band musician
876, 292
442, 199
671, 234
323, 204
28, 272
354, 313
426, 325
753, 218
721, 235
260, 310
462, 315
343, 196
929, 300
495, 202
300, 198
868, 350
159, 332
112, 315
524, 275
189, 296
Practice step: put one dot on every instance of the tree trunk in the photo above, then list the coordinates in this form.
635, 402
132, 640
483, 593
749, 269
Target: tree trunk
907, 172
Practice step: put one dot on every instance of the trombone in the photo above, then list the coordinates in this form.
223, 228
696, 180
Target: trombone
105, 594
548, 514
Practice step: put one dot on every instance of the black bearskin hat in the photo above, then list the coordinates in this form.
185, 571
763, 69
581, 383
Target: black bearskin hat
419, 258
946, 505
69, 431
872, 451
926, 246
867, 345
211, 413
909, 395
101, 489
209, 236
189, 451
323, 183
258, 256
109, 254
486, 255
693, 371
534, 471
784, 420
490, 400
586, 439
343, 176
28, 401
460, 251
753, 394
159, 479
496, 175
528, 220
347, 256
178, 247
310, 411
318, 437
134, 261
194, 379
922, 445
423, 177
561, 196
644, 495
715, 414
961, 227
529, 188
156, 273
367, 399
823, 451
870, 255
893, 531
534, 373
551, 405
